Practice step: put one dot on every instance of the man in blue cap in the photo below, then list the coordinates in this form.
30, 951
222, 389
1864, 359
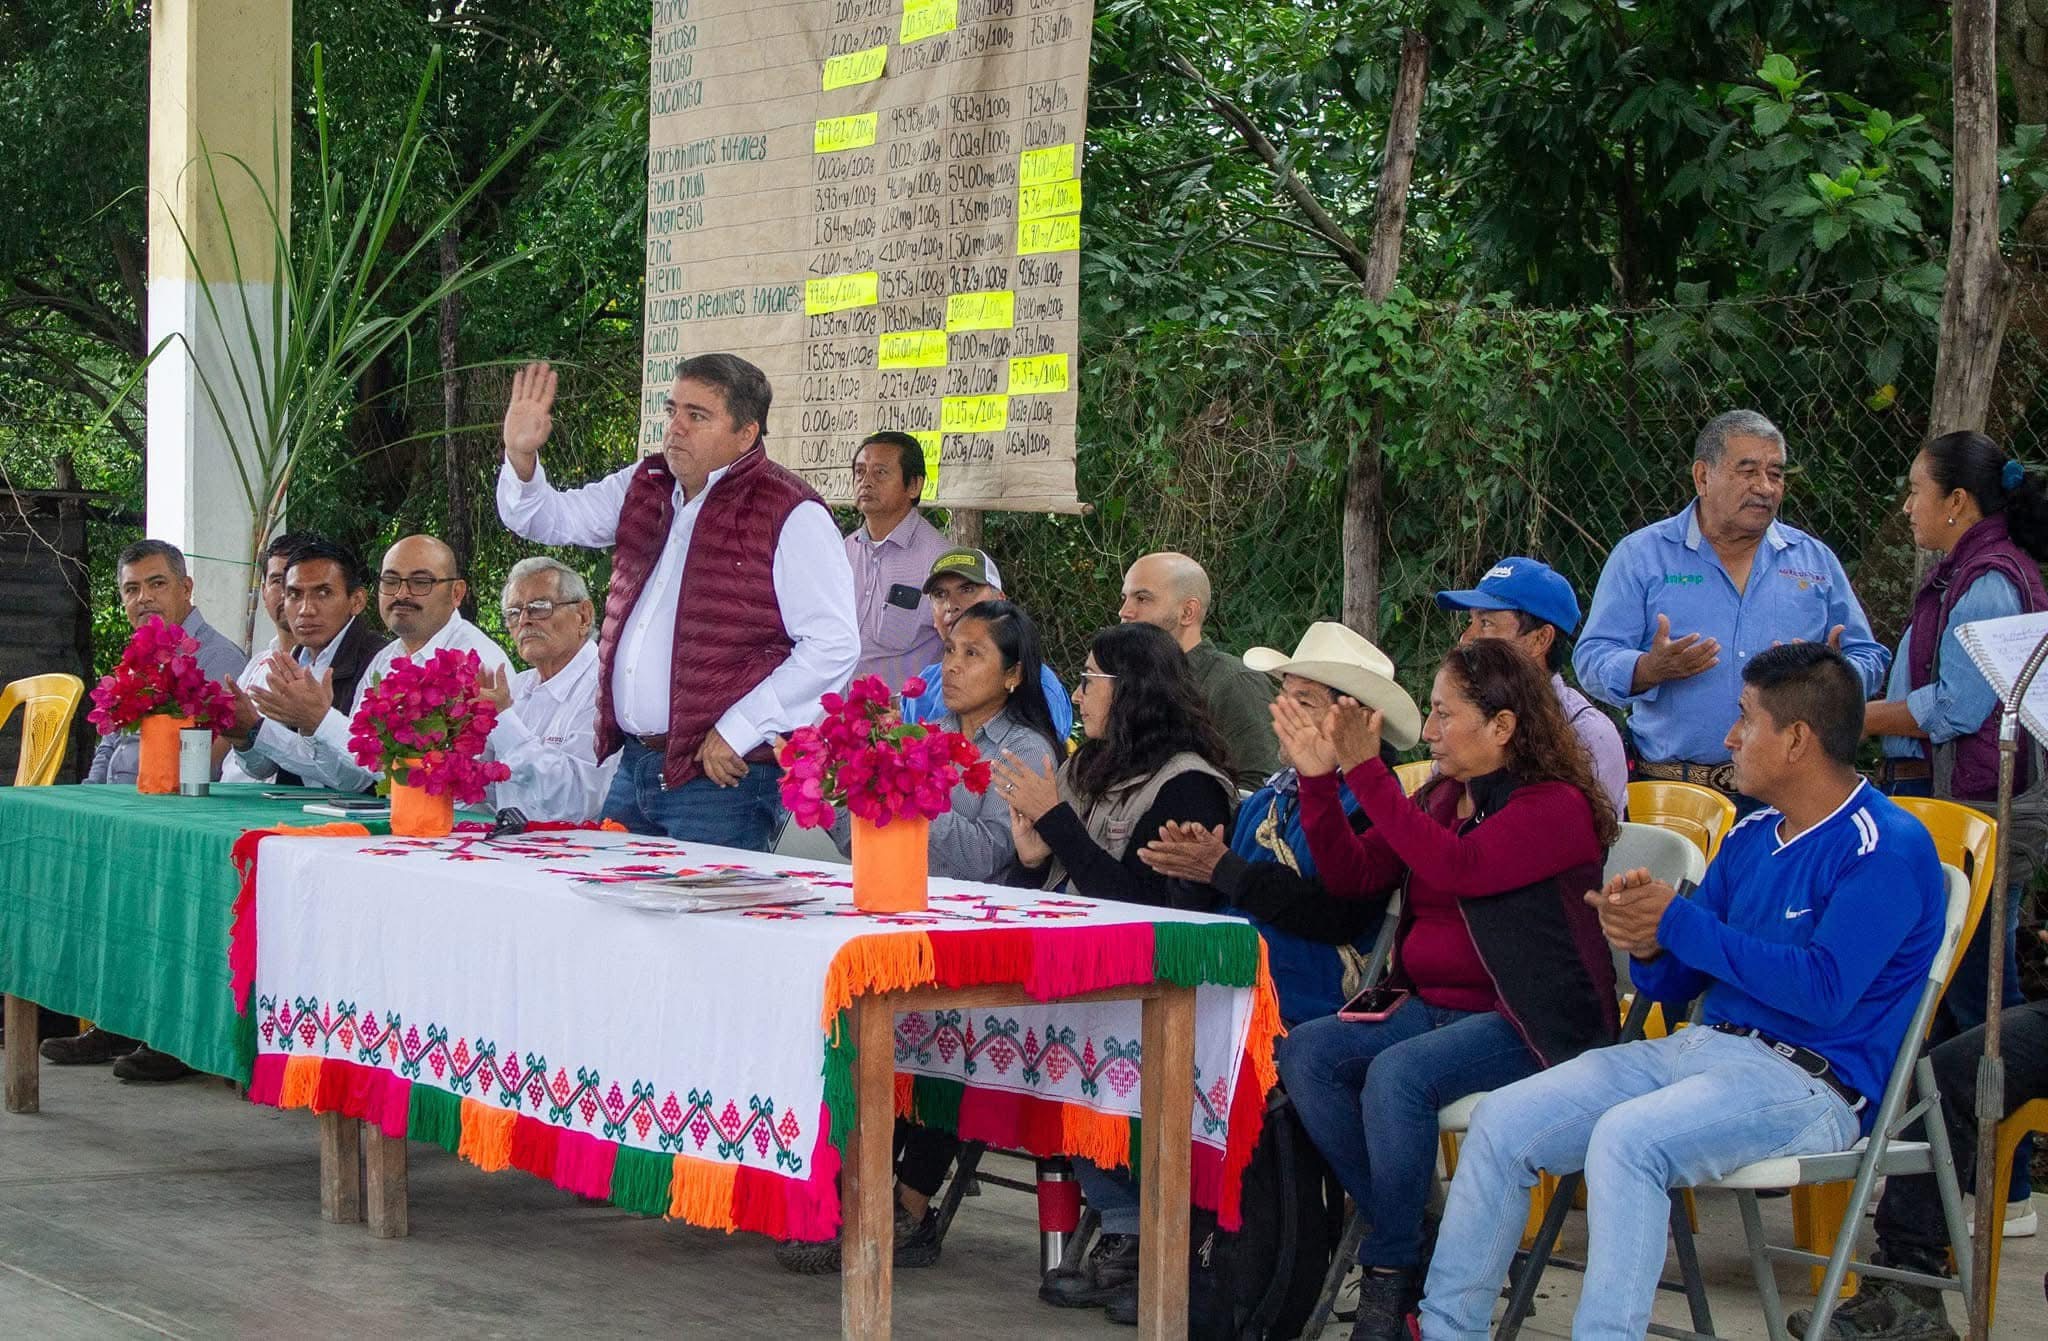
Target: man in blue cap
1531, 605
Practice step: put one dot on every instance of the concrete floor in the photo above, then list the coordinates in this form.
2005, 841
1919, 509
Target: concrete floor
182, 1211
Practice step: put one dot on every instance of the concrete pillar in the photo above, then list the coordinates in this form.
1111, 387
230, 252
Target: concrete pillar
220, 77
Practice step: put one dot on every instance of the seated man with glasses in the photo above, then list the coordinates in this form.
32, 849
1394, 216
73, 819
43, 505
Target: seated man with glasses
547, 715
418, 591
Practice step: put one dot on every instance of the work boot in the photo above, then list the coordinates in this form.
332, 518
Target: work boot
148, 1066
1385, 1299
1121, 1308
1883, 1310
94, 1047
917, 1245
1110, 1267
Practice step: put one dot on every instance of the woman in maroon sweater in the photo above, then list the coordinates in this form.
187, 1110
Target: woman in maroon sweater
1504, 963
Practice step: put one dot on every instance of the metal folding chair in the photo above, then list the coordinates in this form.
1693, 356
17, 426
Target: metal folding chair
1882, 1154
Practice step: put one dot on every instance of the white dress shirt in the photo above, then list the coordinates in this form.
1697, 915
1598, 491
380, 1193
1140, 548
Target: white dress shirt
322, 759
548, 737
813, 587
253, 765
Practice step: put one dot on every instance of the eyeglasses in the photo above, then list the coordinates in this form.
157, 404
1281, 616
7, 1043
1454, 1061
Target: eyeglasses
1087, 675
534, 611
419, 584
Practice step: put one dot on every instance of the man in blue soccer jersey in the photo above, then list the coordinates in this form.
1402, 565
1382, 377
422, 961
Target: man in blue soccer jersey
1810, 938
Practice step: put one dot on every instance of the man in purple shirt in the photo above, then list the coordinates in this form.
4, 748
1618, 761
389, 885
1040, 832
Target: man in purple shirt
892, 554
1531, 605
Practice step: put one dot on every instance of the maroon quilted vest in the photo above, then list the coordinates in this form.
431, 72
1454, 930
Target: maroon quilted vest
729, 630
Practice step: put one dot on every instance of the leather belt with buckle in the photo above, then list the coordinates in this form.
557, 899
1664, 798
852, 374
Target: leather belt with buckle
1903, 770
760, 754
1806, 1059
1721, 777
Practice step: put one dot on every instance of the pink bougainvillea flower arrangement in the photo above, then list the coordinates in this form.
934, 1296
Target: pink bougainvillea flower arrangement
425, 725
159, 673
862, 756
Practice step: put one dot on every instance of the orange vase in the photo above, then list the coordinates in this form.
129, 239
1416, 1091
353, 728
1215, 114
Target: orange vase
414, 814
157, 771
890, 865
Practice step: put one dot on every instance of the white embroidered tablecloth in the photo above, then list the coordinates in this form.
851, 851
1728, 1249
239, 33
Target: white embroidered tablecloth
464, 990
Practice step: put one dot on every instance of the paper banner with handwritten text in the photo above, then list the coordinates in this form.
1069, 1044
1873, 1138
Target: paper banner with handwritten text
878, 202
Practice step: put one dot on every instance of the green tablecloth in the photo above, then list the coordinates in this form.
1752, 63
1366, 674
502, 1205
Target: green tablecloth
116, 906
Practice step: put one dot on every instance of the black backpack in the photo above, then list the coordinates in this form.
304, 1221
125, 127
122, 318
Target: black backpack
1261, 1282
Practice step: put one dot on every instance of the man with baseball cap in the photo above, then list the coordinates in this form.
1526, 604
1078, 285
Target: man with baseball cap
1531, 605
961, 578
1318, 945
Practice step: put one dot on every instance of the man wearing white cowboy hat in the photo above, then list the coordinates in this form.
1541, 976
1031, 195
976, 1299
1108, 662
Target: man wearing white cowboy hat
1531, 605
1317, 945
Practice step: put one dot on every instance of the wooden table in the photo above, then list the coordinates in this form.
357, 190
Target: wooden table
491, 941
363, 1172
116, 907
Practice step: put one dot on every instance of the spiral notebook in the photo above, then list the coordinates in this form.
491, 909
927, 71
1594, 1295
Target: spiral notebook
2000, 648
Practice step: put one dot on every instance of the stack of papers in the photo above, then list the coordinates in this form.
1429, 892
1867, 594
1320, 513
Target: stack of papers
700, 892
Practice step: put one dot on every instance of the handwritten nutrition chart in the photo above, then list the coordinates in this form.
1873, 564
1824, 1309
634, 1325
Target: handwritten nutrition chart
878, 202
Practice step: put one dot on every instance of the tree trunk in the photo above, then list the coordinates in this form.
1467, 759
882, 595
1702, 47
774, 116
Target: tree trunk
1364, 504
963, 527
2023, 53
1977, 297
454, 412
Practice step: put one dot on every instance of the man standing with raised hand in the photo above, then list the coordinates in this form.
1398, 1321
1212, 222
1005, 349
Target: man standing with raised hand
731, 606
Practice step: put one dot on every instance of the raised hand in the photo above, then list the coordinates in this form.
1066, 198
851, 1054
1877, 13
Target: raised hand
1354, 731
495, 685
1672, 658
529, 417
1301, 735
1028, 791
294, 696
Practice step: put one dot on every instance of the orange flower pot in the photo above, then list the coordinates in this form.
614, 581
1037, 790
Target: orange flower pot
157, 771
414, 814
891, 865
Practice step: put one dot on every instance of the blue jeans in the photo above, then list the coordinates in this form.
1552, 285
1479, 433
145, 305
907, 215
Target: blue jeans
1111, 1193
1368, 1092
747, 815
1639, 1119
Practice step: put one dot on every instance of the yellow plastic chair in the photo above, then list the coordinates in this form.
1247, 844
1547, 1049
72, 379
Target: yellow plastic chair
2030, 1116
1413, 775
47, 703
1700, 813
1967, 839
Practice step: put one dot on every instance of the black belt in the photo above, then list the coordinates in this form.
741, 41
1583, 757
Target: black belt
1806, 1059
1721, 777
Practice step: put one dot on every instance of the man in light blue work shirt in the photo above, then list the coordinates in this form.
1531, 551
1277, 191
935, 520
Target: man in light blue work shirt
1684, 603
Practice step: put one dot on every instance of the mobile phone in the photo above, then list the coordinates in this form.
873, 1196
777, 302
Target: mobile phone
904, 596
1374, 1004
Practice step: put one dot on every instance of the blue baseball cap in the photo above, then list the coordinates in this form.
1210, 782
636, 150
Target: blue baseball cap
1516, 583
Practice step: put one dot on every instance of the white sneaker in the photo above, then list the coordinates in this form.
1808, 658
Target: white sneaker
2022, 1221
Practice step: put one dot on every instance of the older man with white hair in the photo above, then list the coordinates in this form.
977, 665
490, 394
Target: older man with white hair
547, 714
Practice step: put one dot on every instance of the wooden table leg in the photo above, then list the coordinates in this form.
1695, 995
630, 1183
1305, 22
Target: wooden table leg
24, 1062
867, 1182
384, 1183
341, 1169
1167, 1103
